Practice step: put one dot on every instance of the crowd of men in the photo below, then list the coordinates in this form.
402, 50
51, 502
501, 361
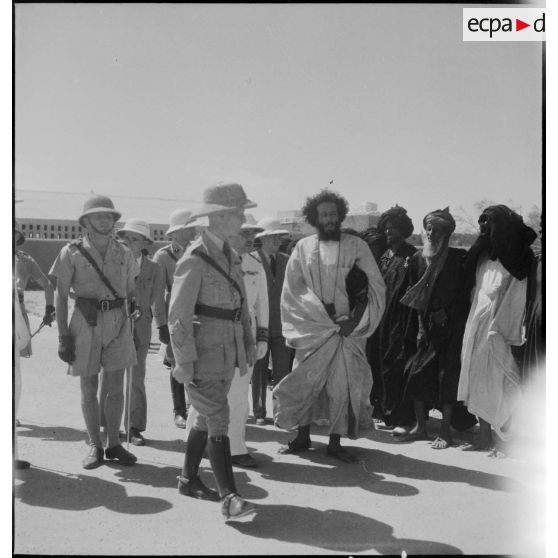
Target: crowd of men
348, 329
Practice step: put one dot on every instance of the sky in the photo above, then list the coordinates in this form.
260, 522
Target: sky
163, 100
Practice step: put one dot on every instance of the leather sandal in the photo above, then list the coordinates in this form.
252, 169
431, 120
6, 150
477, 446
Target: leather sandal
295, 446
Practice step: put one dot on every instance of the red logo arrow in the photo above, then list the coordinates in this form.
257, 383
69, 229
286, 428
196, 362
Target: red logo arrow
519, 25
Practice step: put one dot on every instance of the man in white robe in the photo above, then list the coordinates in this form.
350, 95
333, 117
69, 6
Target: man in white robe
327, 324
489, 379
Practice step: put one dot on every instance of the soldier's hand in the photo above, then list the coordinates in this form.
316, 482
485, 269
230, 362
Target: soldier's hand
261, 349
66, 348
183, 373
50, 314
164, 335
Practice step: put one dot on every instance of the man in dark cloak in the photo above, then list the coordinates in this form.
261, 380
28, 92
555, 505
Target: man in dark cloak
386, 347
439, 301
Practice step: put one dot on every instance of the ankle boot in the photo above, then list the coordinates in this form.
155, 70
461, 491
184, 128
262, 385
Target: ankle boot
189, 483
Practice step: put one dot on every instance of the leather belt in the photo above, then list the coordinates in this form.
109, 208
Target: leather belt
106, 305
233, 315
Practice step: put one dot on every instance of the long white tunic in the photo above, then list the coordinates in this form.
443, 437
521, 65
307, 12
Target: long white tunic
489, 380
331, 379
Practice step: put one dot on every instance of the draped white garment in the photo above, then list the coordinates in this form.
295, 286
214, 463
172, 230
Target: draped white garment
489, 380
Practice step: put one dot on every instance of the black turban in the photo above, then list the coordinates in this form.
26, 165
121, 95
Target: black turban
441, 217
398, 217
507, 239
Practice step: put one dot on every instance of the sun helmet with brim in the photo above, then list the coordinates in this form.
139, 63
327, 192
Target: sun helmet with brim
136, 226
98, 204
223, 197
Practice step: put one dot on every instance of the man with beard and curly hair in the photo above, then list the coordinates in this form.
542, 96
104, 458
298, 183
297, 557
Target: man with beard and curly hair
332, 300
499, 261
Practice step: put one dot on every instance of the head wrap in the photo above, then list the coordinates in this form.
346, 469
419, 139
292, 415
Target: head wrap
376, 242
442, 218
508, 239
398, 217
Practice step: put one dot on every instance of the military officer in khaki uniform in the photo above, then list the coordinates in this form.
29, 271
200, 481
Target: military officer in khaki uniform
210, 334
99, 333
150, 305
181, 231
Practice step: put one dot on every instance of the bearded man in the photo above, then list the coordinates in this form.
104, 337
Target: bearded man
332, 300
439, 303
500, 260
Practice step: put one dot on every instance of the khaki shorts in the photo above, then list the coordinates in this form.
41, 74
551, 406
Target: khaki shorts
108, 345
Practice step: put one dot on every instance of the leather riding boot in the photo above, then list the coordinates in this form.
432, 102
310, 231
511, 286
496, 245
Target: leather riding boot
189, 483
219, 451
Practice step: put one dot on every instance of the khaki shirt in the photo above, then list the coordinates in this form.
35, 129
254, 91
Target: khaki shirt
167, 263
119, 267
150, 289
216, 346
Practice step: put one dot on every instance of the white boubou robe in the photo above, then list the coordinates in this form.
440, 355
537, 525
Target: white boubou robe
331, 378
489, 380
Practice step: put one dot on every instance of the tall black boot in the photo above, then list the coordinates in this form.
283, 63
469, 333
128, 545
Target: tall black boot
189, 483
233, 506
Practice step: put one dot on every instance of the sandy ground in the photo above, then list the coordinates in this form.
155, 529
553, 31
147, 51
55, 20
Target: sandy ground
397, 498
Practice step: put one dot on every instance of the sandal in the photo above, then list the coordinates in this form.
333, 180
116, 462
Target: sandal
295, 446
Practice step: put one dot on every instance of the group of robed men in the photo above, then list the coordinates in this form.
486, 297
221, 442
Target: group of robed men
450, 320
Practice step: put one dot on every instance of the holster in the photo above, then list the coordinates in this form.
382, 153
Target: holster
88, 308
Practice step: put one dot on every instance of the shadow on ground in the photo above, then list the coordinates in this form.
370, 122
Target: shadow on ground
52, 433
166, 477
373, 463
64, 491
335, 530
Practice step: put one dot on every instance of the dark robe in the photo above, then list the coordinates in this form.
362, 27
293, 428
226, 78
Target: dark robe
432, 373
386, 347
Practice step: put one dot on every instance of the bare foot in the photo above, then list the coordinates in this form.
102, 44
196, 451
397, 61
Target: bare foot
441, 443
413, 436
400, 431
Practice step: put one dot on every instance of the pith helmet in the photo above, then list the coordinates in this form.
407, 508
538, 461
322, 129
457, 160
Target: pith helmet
223, 197
98, 204
251, 227
270, 226
19, 236
136, 226
180, 219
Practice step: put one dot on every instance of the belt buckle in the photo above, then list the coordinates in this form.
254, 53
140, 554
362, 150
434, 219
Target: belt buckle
237, 314
105, 305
